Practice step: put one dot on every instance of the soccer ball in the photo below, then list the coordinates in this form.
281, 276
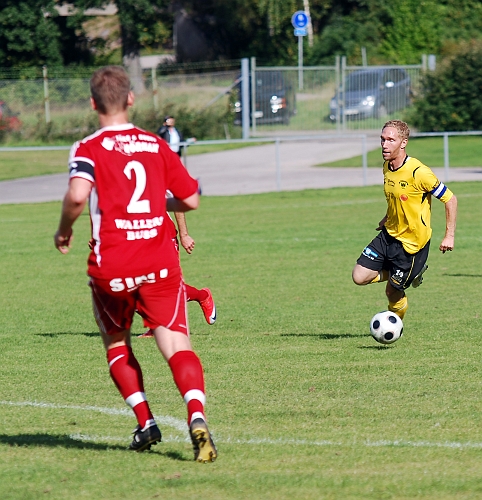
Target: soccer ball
386, 327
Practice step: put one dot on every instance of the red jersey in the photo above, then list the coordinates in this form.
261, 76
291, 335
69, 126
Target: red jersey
130, 169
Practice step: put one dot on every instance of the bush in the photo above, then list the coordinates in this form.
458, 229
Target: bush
210, 123
450, 98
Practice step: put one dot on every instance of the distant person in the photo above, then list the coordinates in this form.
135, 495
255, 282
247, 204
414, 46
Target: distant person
399, 253
172, 135
125, 172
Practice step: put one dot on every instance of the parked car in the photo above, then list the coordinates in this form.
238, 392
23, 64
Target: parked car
275, 98
8, 119
373, 92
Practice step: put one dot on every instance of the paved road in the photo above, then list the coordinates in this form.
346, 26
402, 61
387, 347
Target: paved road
250, 170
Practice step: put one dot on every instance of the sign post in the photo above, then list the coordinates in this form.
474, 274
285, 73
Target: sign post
300, 21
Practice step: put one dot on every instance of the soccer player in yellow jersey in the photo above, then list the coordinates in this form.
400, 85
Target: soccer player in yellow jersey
398, 254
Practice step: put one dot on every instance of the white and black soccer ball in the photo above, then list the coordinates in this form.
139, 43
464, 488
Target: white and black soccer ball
386, 327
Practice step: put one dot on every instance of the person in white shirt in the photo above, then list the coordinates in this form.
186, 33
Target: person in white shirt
171, 134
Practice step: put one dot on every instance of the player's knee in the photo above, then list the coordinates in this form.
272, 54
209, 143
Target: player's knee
358, 276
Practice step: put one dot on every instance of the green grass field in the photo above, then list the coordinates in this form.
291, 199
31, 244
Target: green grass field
302, 402
464, 151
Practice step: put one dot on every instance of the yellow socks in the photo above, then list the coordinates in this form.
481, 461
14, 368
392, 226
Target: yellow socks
382, 276
400, 307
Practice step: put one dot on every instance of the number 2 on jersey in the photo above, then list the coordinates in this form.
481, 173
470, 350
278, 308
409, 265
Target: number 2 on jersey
136, 205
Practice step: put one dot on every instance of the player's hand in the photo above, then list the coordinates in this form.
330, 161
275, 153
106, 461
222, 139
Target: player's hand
447, 244
187, 243
63, 243
382, 223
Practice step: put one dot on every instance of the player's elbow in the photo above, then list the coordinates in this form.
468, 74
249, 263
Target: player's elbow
192, 202
452, 203
79, 191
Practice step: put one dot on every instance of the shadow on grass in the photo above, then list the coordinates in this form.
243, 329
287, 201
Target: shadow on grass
376, 347
461, 275
65, 441
324, 336
62, 440
58, 334
97, 334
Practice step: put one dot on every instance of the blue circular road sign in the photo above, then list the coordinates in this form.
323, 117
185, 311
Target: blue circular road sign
300, 19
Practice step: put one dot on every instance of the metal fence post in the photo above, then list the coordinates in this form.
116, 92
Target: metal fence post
253, 94
424, 62
343, 100
300, 63
155, 96
245, 107
446, 156
46, 95
337, 89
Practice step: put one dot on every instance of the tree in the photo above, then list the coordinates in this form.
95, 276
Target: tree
142, 22
450, 98
28, 35
424, 34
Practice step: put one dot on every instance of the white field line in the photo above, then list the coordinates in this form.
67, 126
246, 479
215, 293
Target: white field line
167, 421
181, 426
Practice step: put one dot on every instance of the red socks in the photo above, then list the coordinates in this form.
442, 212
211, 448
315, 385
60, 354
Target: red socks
127, 376
188, 375
195, 294
186, 370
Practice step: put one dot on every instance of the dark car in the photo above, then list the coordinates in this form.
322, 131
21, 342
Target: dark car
8, 119
373, 92
275, 98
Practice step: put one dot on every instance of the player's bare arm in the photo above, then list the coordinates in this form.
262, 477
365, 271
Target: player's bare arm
185, 205
186, 241
450, 222
73, 206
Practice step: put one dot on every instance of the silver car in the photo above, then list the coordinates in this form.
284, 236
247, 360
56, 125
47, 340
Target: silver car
372, 93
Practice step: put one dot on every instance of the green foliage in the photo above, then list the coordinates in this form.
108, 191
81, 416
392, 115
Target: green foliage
28, 34
450, 98
143, 23
344, 36
393, 33
70, 129
413, 28
204, 124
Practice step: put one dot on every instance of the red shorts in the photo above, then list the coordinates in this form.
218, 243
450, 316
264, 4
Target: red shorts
160, 303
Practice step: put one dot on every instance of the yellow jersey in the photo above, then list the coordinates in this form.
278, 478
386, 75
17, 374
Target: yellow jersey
409, 192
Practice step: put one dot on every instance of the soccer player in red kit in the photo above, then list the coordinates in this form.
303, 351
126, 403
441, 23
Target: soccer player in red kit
124, 173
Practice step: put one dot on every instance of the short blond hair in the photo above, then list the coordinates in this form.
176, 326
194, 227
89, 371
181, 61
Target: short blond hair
402, 128
110, 87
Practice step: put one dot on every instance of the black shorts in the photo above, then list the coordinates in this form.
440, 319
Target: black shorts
386, 252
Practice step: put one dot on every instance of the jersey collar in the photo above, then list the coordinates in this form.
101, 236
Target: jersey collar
404, 161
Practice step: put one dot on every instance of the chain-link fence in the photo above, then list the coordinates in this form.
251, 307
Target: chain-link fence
325, 98
286, 99
56, 105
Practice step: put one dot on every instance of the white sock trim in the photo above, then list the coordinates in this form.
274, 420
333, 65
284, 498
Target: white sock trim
149, 423
195, 394
116, 359
197, 414
135, 399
